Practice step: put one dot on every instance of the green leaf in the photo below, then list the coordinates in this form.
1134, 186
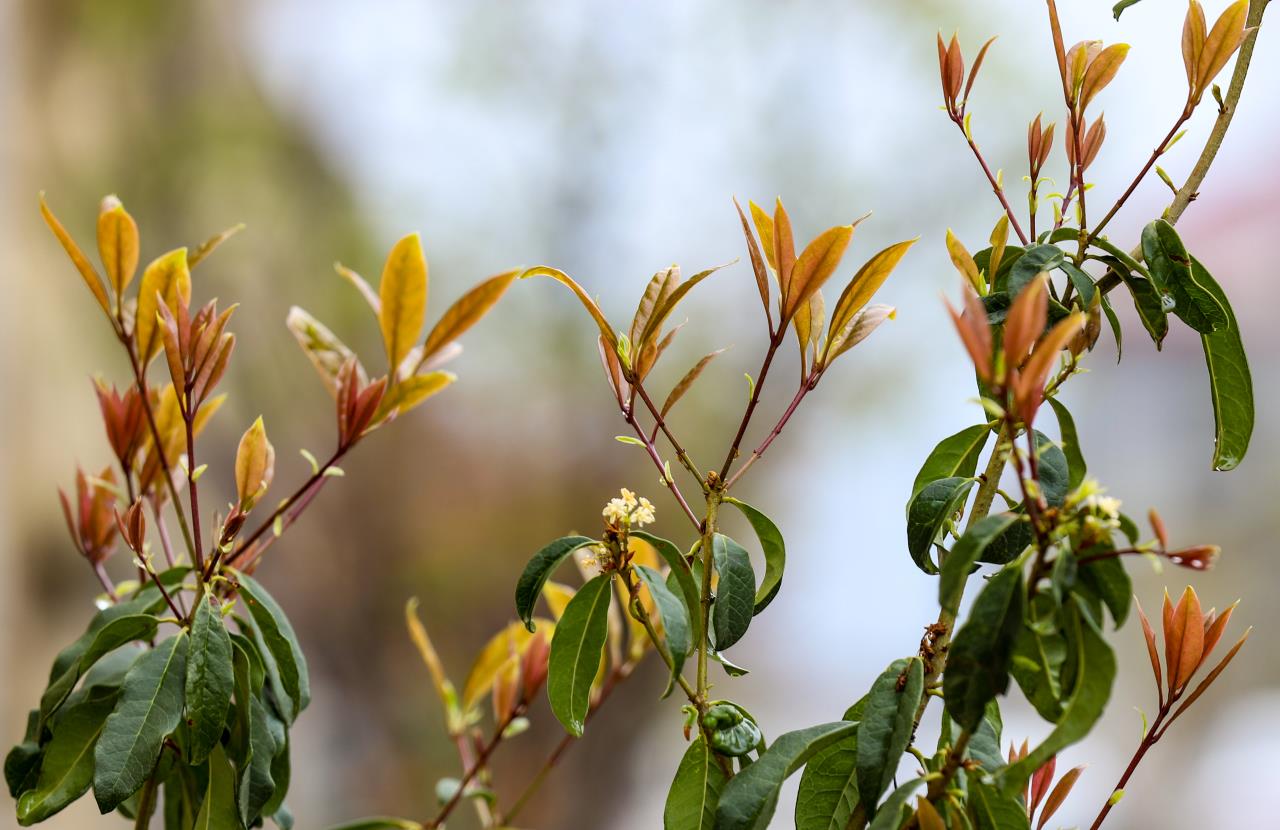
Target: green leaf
380, 823
750, 797
735, 592
111, 636
681, 574
218, 812
967, 553
695, 790
539, 570
149, 708
775, 552
576, 648
257, 785
1010, 544
1114, 322
733, 731
1037, 667
1036, 260
209, 679
889, 816
22, 767
1170, 267
675, 620
1096, 669
277, 635
1081, 280
828, 792
1076, 466
984, 746
978, 663
1148, 301
1230, 384
887, 725
1055, 473
1119, 8
955, 456
993, 810
67, 768
1108, 581
928, 513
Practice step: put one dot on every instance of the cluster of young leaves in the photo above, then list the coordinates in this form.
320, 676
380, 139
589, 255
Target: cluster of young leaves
184, 687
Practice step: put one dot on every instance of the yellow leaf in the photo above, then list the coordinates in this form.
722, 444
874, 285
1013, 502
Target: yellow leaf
358, 282
403, 293
964, 263
255, 465
86, 269
1223, 40
659, 288
815, 266
418, 633
466, 312
1101, 71
606, 331
557, 596
410, 392
784, 250
209, 245
999, 239
866, 283
1194, 30
169, 276
764, 227
503, 648
117, 244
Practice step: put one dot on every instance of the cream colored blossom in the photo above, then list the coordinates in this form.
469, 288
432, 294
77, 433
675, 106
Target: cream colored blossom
629, 509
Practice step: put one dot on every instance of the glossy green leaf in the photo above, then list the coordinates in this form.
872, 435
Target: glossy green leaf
735, 592
1082, 281
1036, 260
1170, 266
1149, 302
149, 708
1118, 8
209, 679
993, 810
928, 513
22, 767
380, 823
1076, 466
66, 770
733, 731
281, 643
967, 553
1230, 383
111, 636
681, 575
695, 790
890, 814
828, 792
1095, 672
1109, 582
955, 456
576, 649
978, 662
218, 810
750, 797
775, 552
675, 620
539, 570
1055, 472
1114, 322
888, 721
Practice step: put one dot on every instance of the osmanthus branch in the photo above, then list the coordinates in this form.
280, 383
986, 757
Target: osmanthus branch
481, 760
735, 446
958, 118
642, 616
628, 412
805, 387
660, 423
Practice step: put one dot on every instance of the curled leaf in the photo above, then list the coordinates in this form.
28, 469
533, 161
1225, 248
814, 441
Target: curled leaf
606, 331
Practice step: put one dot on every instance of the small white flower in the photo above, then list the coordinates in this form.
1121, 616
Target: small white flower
643, 514
629, 509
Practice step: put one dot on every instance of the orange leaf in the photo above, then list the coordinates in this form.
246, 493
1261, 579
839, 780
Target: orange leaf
1223, 40
117, 244
815, 266
86, 269
466, 312
784, 249
1102, 70
757, 263
1058, 796
1188, 626
1194, 31
1150, 637
1025, 322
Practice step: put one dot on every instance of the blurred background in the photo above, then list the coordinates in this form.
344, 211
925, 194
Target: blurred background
608, 140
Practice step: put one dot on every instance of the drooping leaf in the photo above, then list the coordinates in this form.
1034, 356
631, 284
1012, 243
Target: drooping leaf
954, 456
218, 810
66, 770
576, 649
1055, 473
1095, 671
1230, 383
149, 708
209, 679
735, 592
1119, 8
87, 272
1170, 267
403, 294
978, 662
108, 638
749, 799
675, 620
1149, 302
681, 574
928, 513
1082, 281
828, 792
606, 330
277, 634
22, 766
888, 721
775, 552
967, 553
539, 570
695, 790
1076, 465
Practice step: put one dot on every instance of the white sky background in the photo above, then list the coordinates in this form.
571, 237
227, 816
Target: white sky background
609, 143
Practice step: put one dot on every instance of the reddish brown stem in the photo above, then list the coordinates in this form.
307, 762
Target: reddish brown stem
482, 758
1142, 174
317, 478
776, 431
736, 445
958, 118
1148, 740
630, 415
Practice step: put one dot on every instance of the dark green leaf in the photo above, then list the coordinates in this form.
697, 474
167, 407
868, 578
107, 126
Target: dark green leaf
928, 513
1170, 267
955, 456
539, 570
681, 574
992, 810
22, 767
1108, 581
1149, 302
775, 552
675, 620
890, 814
828, 792
1230, 384
735, 592
695, 791
218, 811
1119, 8
576, 648
984, 746
978, 663
150, 707
1082, 282
108, 638
1037, 667
1070, 444
67, 769
1096, 669
1055, 473
1010, 544
1114, 322
733, 731
750, 797
209, 679
277, 635
1036, 260
887, 724
730, 668
967, 553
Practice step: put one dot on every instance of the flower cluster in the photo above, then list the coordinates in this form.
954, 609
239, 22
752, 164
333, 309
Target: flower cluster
629, 510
